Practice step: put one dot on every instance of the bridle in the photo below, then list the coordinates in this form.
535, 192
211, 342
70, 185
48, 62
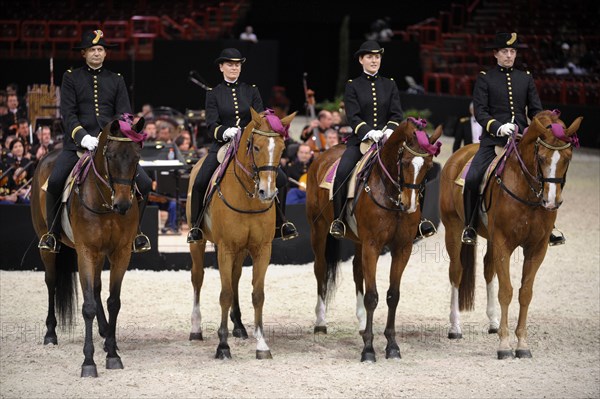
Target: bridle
535, 182
107, 181
252, 174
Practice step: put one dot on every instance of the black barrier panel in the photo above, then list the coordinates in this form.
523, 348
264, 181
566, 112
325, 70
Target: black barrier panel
18, 244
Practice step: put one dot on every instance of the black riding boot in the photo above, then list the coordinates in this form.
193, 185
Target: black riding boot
469, 235
556, 239
426, 227
195, 233
338, 228
284, 229
50, 240
141, 242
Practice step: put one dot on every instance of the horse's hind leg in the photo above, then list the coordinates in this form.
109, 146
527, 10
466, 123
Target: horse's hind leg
361, 312
491, 281
261, 257
197, 250
239, 331
453, 245
49, 260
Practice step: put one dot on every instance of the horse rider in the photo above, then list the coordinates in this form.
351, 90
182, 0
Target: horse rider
91, 96
373, 110
227, 111
503, 98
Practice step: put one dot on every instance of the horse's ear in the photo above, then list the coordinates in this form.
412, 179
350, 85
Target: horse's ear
255, 116
139, 126
571, 130
115, 127
436, 134
288, 119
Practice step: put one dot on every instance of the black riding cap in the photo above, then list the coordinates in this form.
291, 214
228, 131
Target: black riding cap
369, 47
230, 54
505, 40
93, 38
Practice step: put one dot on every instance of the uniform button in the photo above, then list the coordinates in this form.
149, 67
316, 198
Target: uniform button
372, 83
236, 106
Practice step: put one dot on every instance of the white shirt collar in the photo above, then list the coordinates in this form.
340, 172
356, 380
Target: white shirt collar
370, 74
230, 81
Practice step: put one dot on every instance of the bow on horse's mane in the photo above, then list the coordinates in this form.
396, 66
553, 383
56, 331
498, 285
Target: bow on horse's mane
558, 131
423, 138
126, 126
276, 124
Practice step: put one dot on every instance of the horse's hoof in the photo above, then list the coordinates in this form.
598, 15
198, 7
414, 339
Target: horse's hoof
368, 357
50, 339
263, 355
505, 354
223, 353
523, 353
493, 330
392, 354
452, 335
196, 336
320, 329
89, 370
240, 333
114, 363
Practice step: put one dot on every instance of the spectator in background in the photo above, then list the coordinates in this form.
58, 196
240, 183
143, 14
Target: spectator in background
164, 134
24, 133
183, 142
381, 30
467, 130
150, 131
296, 172
147, 112
331, 138
15, 112
249, 35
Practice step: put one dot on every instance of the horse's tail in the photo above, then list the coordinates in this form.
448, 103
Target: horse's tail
332, 258
466, 290
65, 297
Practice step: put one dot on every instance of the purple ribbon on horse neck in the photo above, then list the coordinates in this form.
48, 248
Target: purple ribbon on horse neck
126, 125
276, 124
423, 140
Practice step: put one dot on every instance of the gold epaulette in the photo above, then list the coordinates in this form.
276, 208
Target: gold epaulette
482, 72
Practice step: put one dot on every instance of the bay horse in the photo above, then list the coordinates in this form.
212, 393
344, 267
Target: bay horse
103, 216
386, 213
240, 220
520, 206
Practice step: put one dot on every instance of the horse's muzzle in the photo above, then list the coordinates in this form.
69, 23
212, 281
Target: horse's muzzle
121, 207
266, 196
551, 205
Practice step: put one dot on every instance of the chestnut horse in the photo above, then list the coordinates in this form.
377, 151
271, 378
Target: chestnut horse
520, 206
240, 219
104, 217
386, 212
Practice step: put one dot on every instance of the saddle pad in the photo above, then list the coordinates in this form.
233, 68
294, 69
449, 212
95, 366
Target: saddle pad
327, 182
460, 180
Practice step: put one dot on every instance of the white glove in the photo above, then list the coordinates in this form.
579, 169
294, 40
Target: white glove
374, 135
506, 129
388, 133
229, 133
89, 142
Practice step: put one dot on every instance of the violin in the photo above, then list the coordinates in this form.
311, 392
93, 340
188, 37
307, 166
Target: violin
301, 182
317, 142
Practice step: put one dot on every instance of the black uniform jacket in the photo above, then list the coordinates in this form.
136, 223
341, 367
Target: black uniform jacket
90, 99
372, 103
228, 105
501, 96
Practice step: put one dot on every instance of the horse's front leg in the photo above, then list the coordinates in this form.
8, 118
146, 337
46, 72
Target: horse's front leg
226, 258
361, 312
88, 261
197, 250
532, 263
261, 257
101, 316
119, 261
239, 331
501, 261
370, 255
453, 246
400, 256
